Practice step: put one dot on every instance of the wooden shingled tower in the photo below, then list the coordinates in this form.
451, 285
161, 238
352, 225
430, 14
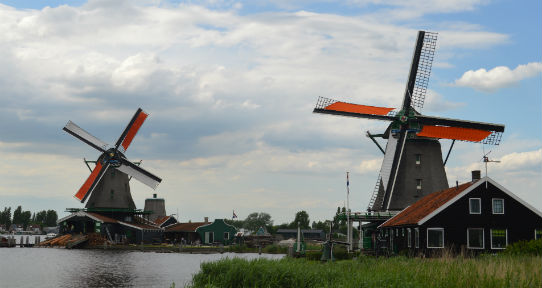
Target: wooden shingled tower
413, 166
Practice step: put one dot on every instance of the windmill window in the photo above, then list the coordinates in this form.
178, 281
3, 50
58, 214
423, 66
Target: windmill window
475, 206
419, 184
409, 238
418, 159
498, 206
475, 238
112, 193
417, 237
499, 238
435, 237
537, 234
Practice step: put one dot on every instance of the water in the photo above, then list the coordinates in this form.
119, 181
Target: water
55, 267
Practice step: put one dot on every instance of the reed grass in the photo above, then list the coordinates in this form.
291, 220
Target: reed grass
483, 271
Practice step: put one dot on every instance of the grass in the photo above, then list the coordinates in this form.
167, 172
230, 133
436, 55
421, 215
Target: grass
484, 271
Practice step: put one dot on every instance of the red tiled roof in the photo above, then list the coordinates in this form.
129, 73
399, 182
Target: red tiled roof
185, 227
423, 207
159, 221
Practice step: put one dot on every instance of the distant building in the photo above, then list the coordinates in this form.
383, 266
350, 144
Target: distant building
34, 228
308, 234
476, 216
207, 233
165, 221
184, 232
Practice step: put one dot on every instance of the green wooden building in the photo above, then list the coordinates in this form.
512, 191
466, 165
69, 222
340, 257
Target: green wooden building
217, 232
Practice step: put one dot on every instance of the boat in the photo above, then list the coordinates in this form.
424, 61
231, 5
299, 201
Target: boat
50, 236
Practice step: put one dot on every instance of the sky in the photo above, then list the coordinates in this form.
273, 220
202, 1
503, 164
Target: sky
230, 87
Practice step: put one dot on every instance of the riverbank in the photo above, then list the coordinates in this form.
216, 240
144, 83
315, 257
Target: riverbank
483, 271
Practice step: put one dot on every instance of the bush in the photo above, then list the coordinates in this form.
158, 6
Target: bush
533, 247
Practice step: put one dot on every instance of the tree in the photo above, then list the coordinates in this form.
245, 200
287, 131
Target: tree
40, 218
256, 220
5, 217
301, 217
321, 226
17, 215
25, 219
50, 218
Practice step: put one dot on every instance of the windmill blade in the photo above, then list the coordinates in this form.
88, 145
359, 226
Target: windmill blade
436, 127
84, 136
395, 167
131, 130
139, 173
420, 70
330, 106
92, 181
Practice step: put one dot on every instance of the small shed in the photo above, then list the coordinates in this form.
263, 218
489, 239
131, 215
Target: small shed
475, 216
217, 232
184, 232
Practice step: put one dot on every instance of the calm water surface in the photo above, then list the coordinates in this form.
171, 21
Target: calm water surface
54, 267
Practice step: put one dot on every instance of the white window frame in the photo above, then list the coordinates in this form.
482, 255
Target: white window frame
418, 159
409, 237
483, 239
470, 206
491, 238
493, 205
419, 183
435, 229
226, 235
417, 237
535, 230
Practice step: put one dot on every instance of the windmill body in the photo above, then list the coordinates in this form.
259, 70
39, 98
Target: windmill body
412, 166
110, 209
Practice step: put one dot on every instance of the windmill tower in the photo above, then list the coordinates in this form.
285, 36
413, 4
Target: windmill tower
107, 188
412, 165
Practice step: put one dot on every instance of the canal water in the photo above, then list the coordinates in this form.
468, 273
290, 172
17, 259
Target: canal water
56, 267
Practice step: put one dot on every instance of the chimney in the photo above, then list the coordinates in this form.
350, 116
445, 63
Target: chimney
154, 195
206, 219
475, 175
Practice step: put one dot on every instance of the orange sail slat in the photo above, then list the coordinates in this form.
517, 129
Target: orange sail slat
88, 183
361, 109
457, 133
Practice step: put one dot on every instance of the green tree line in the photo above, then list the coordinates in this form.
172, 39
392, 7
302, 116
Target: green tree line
44, 218
256, 220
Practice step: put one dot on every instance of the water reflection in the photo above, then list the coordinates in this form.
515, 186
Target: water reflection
52, 267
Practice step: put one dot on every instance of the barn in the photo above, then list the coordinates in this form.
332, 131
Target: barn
480, 215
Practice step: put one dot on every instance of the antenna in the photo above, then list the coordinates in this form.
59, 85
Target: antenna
486, 160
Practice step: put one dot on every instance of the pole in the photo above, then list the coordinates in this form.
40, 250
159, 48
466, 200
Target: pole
348, 213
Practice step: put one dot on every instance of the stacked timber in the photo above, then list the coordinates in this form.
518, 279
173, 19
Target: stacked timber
57, 241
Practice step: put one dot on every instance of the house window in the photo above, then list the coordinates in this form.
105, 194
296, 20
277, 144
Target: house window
499, 238
391, 239
417, 237
226, 235
409, 238
475, 206
498, 206
403, 232
435, 237
418, 159
419, 184
475, 238
537, 234
209, 237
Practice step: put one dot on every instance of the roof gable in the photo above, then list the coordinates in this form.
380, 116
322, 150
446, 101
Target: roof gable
426, 205
429, 206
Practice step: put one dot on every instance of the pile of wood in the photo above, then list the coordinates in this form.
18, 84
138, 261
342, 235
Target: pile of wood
95, 239
57, 241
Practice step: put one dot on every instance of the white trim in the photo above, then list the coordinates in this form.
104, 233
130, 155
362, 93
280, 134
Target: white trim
491, 238
226, 238
483, 239
409, 237
480, 206
434, 229
472, 187
493, 206
417, 237
79, 214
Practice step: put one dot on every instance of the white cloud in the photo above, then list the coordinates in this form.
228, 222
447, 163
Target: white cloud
498, 77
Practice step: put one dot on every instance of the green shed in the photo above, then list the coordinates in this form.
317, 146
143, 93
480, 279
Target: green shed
217, 232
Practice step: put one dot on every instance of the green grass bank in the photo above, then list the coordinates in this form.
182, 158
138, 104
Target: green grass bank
483, 271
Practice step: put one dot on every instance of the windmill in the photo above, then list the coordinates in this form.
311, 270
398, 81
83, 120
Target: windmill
108, 187
412, 165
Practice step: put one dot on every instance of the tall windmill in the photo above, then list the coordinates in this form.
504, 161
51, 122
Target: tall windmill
108, 187
412, 165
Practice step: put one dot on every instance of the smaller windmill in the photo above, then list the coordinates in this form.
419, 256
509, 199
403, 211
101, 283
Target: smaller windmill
108, 183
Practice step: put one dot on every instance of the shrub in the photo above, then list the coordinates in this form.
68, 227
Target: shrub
533, 247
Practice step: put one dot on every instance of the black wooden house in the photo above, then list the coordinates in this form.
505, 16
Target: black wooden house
476, 216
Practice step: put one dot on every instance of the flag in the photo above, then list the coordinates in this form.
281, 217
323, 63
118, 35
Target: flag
347, 183
234, 215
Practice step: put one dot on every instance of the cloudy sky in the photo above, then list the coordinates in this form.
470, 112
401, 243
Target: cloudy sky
230, 87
